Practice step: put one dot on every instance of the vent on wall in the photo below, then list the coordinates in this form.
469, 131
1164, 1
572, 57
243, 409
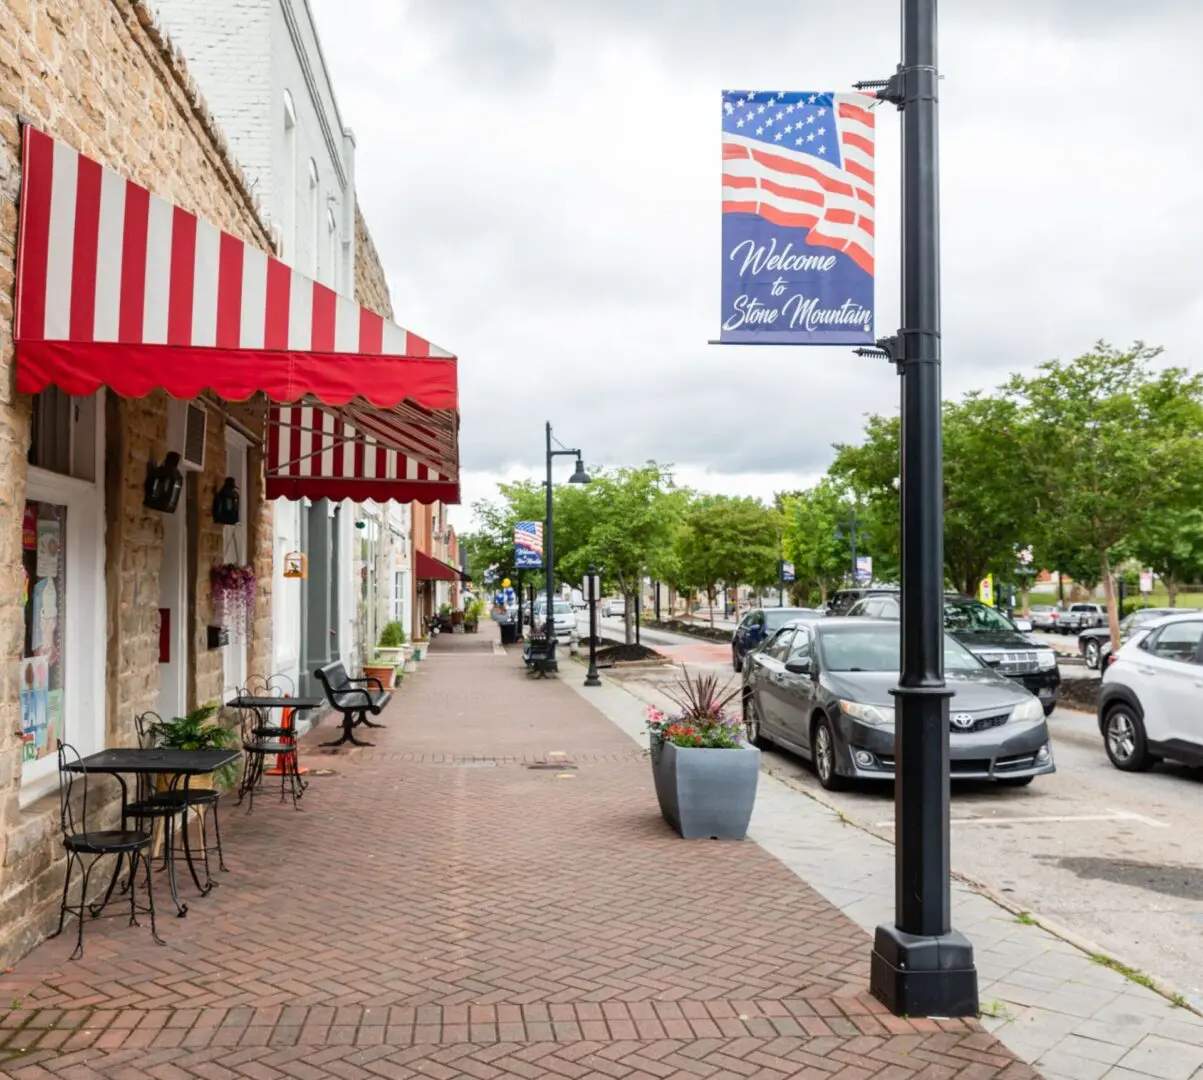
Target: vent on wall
186, 429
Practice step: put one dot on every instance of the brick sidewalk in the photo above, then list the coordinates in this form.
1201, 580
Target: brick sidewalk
441, 909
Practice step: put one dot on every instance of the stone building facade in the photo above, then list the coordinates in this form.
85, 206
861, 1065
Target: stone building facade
100, 77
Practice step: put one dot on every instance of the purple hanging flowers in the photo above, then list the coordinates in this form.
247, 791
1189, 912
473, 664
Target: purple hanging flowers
234, 589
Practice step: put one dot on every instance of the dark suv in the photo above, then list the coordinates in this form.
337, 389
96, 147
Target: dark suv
990, 636
761, 623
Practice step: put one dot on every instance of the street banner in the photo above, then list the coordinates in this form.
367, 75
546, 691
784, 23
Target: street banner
798, 219
985, 590
528, 545
787, 572
1146, 581
864, 569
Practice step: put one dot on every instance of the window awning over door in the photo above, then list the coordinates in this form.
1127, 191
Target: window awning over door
117, 287
428, 568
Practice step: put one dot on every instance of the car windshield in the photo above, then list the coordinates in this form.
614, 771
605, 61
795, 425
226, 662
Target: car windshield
875, 647
775, 620
563, 607
974, 616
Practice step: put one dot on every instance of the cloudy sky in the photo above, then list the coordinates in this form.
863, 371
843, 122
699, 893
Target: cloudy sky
541, 178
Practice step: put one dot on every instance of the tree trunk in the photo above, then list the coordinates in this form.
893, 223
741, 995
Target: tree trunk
1171, 587
1023, 599
711, 598
1109, 592
823, 593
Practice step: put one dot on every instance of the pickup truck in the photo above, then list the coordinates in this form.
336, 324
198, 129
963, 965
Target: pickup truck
1079, 617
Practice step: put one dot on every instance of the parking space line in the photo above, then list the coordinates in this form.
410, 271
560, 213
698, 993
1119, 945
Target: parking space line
1050, 819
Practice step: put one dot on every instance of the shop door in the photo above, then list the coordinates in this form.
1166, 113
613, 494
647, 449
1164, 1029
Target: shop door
173, 613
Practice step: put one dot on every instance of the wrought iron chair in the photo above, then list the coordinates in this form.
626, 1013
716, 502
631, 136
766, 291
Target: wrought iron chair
84, 842
261, 740
167, 805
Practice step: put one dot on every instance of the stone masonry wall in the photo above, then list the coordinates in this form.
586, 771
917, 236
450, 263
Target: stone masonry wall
371, 286
99, 75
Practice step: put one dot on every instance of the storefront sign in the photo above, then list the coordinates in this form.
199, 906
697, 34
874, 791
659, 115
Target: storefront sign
798, 218
528, 545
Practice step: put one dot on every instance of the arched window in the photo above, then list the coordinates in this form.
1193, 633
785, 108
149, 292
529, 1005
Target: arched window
315, 218
288, 201
332, 275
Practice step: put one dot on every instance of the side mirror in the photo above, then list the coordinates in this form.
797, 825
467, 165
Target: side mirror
799, 667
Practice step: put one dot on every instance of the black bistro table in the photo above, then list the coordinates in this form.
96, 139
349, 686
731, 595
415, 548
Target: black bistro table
260, 705
182, 765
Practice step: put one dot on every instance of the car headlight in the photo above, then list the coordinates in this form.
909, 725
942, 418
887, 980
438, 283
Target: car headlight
1030, 709
876, 715
1046, 659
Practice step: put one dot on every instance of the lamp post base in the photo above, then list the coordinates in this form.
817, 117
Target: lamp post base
592, 679
923, 976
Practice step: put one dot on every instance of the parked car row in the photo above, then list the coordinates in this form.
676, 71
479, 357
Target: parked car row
1095, 644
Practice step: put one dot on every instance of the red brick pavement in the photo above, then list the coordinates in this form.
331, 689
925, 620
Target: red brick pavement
442, 909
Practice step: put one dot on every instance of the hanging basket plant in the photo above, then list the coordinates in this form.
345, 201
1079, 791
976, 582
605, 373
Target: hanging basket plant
234, 589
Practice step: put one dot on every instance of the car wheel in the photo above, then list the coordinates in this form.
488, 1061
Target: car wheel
752, 723
1124, 738
1015, 781
736, 662
1092, 655
823, 748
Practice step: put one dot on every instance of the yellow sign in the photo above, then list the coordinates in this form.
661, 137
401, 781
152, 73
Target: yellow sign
985, 590
505, 583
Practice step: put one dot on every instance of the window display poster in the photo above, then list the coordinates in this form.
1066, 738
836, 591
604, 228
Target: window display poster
35, 707
41, 672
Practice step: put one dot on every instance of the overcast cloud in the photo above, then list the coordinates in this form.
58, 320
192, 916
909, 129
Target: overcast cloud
541, 178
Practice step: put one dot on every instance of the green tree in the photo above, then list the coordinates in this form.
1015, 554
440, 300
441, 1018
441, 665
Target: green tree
1109, 442
728, 540
1170, 542
811, 518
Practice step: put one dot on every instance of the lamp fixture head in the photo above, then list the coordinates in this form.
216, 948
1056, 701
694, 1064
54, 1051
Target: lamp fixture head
580, 476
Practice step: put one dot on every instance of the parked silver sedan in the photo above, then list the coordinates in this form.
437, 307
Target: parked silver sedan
821, 688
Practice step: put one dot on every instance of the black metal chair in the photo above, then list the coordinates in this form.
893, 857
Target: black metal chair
261, 740
83, 842
151, 804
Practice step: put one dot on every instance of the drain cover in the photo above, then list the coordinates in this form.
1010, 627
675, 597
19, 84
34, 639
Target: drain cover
321, 772
557, 766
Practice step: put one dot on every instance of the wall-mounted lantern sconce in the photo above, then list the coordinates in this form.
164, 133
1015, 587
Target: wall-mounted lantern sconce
164, 482
296, 565
225, 503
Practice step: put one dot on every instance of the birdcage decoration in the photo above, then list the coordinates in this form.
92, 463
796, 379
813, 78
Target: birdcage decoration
296, 565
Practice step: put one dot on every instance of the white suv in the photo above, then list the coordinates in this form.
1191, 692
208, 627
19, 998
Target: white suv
1151, 703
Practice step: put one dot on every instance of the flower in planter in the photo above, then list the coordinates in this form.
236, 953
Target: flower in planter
703, 720
234, 590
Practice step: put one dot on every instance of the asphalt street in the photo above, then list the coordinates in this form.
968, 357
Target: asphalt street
1115, 857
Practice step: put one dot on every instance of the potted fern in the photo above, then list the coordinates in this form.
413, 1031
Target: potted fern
705, 773
199, 730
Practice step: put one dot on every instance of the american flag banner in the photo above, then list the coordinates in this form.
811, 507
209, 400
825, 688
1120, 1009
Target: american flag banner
797, 218
528, 545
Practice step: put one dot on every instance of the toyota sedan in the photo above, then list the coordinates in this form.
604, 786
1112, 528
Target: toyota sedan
821, 689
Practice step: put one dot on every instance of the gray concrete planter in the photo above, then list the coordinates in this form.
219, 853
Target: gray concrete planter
706, 794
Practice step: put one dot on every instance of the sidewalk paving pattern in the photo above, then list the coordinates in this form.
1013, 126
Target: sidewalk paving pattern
442, 908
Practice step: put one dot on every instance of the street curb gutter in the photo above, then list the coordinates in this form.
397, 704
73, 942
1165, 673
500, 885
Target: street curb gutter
1058, 930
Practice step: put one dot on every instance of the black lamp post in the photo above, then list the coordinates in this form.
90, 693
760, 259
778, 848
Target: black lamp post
920, 965
592, 593
579, 476
851, 531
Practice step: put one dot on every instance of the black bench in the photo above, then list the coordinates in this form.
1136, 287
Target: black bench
353, 698
540, 656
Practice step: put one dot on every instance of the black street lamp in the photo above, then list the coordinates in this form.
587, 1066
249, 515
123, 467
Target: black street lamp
852, 532
921, 966
579, 476
592, 595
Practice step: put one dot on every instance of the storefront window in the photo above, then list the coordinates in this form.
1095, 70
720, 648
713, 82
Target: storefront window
43, 666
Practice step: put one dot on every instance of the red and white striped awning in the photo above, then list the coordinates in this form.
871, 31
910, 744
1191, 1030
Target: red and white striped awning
117, 287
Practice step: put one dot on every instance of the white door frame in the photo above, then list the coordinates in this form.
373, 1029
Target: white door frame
84, 613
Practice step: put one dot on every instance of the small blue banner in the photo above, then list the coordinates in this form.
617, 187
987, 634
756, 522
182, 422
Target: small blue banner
787, 572
798, 218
